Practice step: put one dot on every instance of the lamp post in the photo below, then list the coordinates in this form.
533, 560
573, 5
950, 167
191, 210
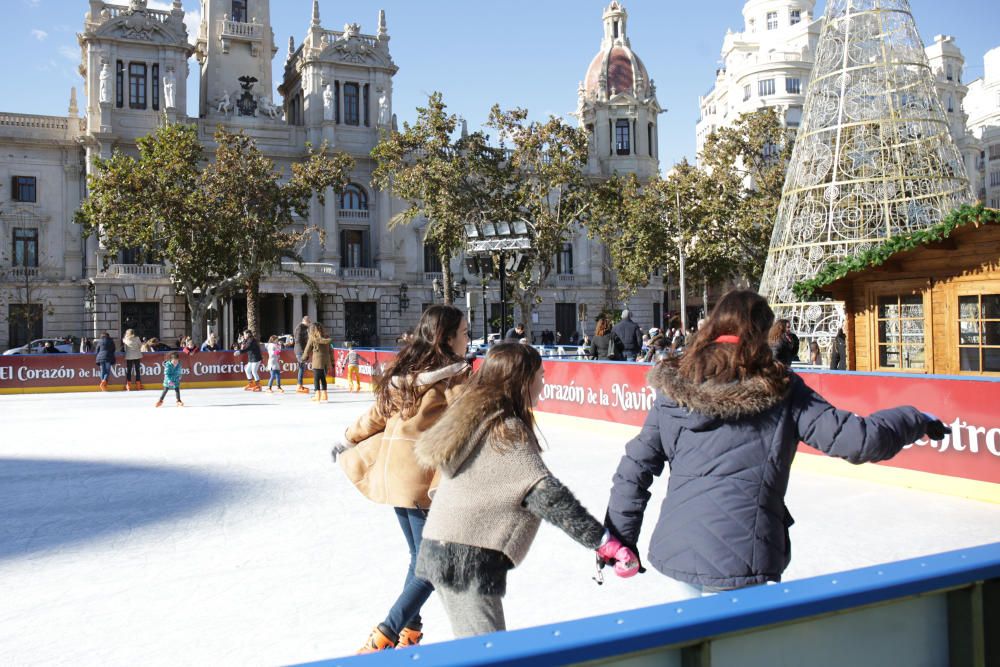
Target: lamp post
486, 239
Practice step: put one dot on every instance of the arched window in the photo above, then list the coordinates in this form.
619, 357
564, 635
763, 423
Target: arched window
354, 198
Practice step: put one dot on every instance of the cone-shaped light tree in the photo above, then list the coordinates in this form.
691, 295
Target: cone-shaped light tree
872, 159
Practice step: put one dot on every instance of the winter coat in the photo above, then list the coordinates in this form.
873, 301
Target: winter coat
630, 335
382, 465
105, 350
273, 356
132, 348
599, 346
171, 375
730, 447
209, 347
252, 348
301, 335
317, 350
491, 499
512, 336
656, 345
838, 355
786, 350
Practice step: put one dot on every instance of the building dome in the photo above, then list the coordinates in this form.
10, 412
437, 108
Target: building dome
619, 67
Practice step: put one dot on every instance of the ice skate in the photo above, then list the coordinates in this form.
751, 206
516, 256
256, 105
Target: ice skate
158, 404
302, 390
256, 386
249, 386
377, 641
104, 385
128, 386
138, 385
180, 404
324, 398
409, 637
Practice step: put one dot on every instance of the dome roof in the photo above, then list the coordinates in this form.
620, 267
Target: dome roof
620, 67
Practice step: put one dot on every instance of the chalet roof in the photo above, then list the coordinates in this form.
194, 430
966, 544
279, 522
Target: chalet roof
960, 218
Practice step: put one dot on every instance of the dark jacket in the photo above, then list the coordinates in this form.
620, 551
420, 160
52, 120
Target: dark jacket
252, 348
105, 350
301, 335
599, 347
786, 350
730, 448
630, 335
838, 355
513, 336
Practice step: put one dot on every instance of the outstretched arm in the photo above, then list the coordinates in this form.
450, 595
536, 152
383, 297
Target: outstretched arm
643, 460
552, 501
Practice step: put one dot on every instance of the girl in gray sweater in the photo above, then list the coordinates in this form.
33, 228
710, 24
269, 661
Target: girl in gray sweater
485, 441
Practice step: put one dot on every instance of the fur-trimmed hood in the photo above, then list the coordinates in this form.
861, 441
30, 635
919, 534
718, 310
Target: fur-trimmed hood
428, 378
726, 401
448, 444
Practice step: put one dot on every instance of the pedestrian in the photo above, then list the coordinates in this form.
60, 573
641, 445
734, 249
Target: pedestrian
86, 347
353, 368
132, 347
377, 454
657, 345
317, 350
515, 333
495, 490
211, 344
301, 335
602, 338
50, 348
815, 358
105, 358
628, 337
784, 344
274, 363
838, 354
727, 419
188, 346
251, 347
171, 378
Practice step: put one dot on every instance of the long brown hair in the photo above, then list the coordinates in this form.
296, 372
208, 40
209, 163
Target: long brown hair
505, 377
316, 332
429, 349
746, 315
603, 327
778, 331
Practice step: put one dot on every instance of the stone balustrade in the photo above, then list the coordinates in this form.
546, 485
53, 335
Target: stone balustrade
360, 273
350, 214
30, 121
310, 268
331, 36
239, 30
136, 270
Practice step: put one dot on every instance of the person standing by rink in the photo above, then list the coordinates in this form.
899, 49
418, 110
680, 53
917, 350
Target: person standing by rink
376, 453
274, 363
629, 337
317, 350
132, 347
301, 336
211, 344
252, 368
171, 378
784, 344
495, 490
353, 368
727, 419
105, 358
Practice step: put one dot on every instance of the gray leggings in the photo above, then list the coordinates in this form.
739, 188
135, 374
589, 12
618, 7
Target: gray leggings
472, 613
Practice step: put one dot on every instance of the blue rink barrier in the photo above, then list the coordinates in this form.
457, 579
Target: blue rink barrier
936, 610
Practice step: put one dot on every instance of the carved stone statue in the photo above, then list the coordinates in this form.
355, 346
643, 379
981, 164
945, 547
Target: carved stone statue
265, 106
383, 107
225, 103
105, 85
328, 111
170, 89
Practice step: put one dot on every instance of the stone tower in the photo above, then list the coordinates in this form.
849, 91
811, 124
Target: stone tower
617, 105
874, 156
235, 45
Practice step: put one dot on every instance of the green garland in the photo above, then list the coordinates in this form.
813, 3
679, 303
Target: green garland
880, 254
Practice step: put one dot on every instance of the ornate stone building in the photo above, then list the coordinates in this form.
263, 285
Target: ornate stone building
982, 106
336, 87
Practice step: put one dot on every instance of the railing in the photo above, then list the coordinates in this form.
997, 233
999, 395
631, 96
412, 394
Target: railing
36, 122
22, 272
331, 36
140, 270
318, 268
566, 279
431, 276
252, 31
352, 214
115, 11
359, 273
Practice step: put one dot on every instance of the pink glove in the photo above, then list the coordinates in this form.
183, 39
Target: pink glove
625, 560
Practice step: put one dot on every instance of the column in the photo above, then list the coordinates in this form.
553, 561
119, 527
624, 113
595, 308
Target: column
296, 309
331, 253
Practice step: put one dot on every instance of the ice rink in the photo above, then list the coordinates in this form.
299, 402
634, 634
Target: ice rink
221, 534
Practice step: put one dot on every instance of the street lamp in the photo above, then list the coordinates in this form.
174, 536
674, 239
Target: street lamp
486, 238
404, 299
458, 289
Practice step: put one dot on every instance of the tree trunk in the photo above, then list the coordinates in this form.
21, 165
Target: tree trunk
253, 296
524, 303
449, 293
199, 309
704, 297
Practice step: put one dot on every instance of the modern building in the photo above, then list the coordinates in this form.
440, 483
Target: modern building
337, 87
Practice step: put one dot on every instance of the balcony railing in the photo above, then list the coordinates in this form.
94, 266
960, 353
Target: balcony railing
566, 279
136, 270
431, 276
311, 268
114, 11
331, 36
352, 214
34, 122
239, 30
359, 273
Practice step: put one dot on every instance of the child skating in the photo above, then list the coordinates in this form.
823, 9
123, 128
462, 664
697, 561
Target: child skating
171, 378
353, 369
494, 491
274, 363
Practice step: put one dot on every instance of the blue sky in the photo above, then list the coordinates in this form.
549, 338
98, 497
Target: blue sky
516, 52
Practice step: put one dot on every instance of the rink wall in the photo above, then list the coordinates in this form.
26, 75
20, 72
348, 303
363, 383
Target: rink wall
935, 610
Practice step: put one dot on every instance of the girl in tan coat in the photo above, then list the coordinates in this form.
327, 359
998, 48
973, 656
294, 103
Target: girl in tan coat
377, 451
318, 350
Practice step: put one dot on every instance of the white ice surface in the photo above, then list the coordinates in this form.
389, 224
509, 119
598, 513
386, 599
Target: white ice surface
220, 533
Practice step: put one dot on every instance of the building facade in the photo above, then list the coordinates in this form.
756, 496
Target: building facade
982, 106
336, 88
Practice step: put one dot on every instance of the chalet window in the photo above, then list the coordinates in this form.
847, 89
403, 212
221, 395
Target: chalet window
564, 260
796, 16
772, 20
432, 259
793, 86
979, 333
240, 11
137, 85
901, 343
622, 143
24, 188
25, 247
765, 87
119, 84
354, 248
156, 86
351, 111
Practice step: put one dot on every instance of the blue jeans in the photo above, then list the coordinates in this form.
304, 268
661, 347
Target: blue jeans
275, 377
105, 370
406, 610
302, 371
629, 356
